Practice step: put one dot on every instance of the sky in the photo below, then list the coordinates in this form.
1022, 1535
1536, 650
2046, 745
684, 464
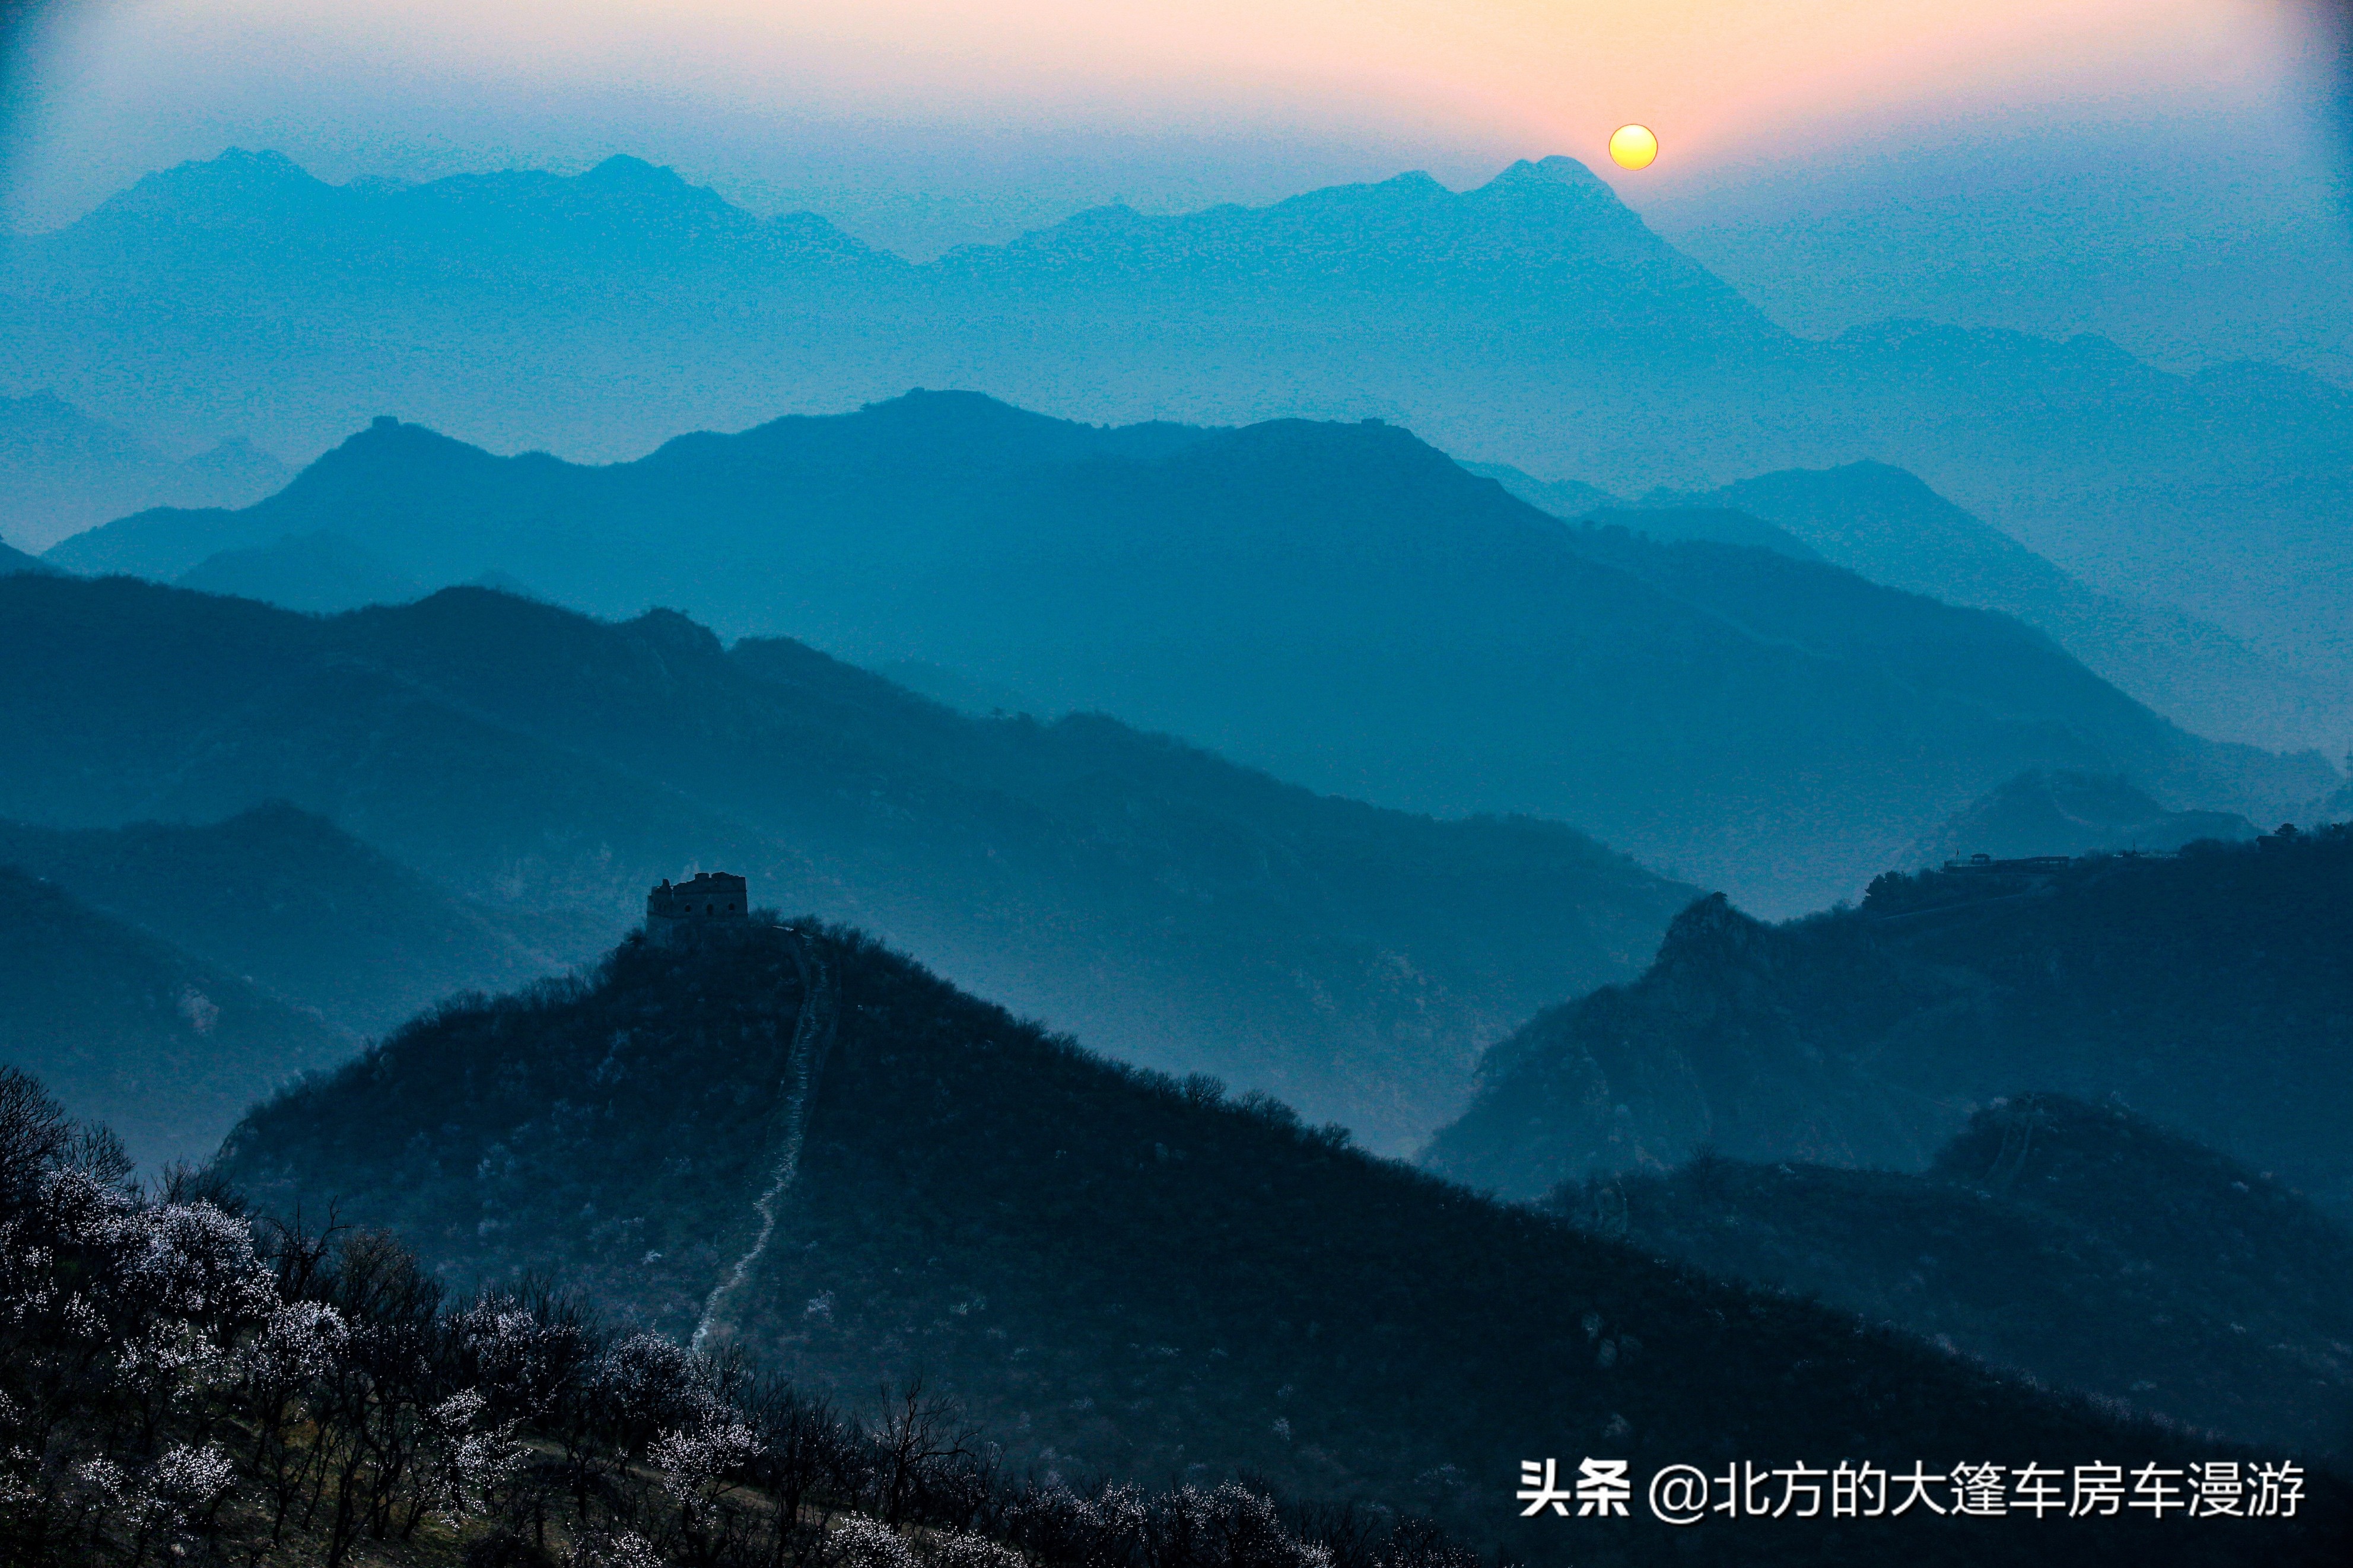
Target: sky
2158, 169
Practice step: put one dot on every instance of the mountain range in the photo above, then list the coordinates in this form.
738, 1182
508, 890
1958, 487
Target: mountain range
1885, 525
795, 1144
2041, 814
289, 903
169, 1049
1533, 321
1404, 1049
1340, 604
543, 771
2208, 990
2081, 1245
62, 471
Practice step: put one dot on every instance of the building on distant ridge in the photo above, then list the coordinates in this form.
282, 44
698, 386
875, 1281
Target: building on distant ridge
714, 901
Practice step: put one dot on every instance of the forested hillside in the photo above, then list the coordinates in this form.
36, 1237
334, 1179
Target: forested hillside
1176, 908
1114, 1272
2082, 1245
2211, 990
185, 1380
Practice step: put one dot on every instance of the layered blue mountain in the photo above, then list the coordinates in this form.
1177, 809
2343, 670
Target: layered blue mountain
1338, 603
543, 771
2039, 813
169, 1048
1534, 321
2211, 991
62, 471
289, 903
1887, 525
2083, 1245
320, 572
1883, 524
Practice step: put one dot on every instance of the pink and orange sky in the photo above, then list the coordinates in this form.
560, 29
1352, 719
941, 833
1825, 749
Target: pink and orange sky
2150, 126
1718, 79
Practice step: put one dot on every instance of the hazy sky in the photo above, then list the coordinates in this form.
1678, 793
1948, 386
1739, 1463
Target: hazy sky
1824, 153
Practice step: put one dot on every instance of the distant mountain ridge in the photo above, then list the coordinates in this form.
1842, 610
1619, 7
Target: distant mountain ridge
170, 1049
1533, 319
62, 471
2080, 1244
319, 573
1181, 910
2211, 992
292, 904
1885, 524
1339, 603
2069, 814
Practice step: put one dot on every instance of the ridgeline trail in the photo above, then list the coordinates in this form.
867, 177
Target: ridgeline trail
813, 1033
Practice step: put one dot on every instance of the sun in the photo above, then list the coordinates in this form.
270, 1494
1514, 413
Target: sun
1633, 146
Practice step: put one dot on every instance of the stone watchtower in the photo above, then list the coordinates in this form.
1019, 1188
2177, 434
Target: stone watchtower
714, 902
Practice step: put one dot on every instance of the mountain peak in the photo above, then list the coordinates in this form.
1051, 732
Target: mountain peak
227, 186
1710, 936
237, 168
671, 632
239, 162
622, 170
1552, 184
1554, 170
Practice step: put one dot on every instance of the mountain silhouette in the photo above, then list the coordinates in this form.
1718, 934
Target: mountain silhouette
2082, 1245
1339, 603
62, 471
314, 918
1118, 1274
1885, 524
1179, 910
2207, 992
2069, 814
13, 561
320, 572
168, 1050
1533, 321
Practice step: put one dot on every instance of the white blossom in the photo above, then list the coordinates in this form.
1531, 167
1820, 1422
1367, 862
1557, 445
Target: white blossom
619, 1549
859, 1542
961, 1549
689, 1457
80, 1209
518, 1357
106, 1477
301, 1341
468, 1462
647, 1379
187, 1478
193, 1260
